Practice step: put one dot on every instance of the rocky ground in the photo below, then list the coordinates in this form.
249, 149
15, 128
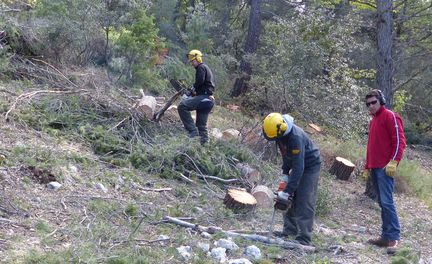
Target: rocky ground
101, 209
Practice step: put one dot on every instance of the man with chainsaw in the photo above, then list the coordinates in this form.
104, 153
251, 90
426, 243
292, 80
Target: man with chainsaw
386, 144
301, 168
199, 98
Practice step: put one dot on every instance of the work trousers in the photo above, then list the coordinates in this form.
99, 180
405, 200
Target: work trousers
299, 219
203, 105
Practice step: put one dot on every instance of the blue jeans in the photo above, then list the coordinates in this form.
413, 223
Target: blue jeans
384, 186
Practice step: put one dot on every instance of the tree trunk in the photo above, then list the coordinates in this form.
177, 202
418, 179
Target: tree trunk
342, 168
384, 42
251, 45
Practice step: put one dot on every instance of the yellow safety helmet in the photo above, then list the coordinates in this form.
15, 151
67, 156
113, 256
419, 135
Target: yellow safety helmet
274, 126
195, 55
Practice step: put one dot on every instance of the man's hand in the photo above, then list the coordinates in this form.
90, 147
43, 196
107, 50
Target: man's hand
390, 168
211, 97
284, 201
365, 174
190, 91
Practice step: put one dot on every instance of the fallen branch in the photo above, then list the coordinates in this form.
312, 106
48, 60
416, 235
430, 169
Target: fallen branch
158, 115
155, 190
254, 237
202, 176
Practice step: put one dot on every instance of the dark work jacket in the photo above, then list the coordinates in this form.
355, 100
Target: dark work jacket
299, 155
204, 81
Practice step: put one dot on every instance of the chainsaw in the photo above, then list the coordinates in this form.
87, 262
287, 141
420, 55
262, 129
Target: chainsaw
282, 205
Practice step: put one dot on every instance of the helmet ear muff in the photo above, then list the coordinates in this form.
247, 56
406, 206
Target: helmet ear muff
281, 128
381, 97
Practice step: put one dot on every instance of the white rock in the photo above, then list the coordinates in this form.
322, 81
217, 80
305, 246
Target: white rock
163, 237
360, 229
219, 254
185, 252
199, 209
228, 244
239, 261
216, 133
101, 187
203, 246
119, 183
253, 252
73, 169
53, 185
206, 235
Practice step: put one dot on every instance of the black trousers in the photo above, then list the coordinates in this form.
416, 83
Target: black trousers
202, 105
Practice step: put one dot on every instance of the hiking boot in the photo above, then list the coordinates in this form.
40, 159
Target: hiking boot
392, 247
380, 242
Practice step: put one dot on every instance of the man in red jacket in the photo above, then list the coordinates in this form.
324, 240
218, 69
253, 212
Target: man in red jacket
386, 144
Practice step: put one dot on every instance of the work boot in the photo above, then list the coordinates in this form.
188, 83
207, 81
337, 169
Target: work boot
392, 247
380, 242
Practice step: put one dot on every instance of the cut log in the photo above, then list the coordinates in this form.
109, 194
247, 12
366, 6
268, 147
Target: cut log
239, 200
146, 105
230, 134
249, 174
264, 196
342, 168
315, 127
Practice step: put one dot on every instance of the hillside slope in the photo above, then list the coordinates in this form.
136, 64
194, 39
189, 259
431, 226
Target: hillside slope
105, 213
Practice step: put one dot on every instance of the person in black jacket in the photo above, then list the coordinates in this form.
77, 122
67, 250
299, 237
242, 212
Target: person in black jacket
199, 98
300, 170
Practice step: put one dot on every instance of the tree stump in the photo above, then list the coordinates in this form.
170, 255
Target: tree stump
264, 196
342, 168
239, 200
251, 175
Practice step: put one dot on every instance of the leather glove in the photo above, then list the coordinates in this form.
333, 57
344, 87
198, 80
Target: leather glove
390, 168
284, 201
365, 174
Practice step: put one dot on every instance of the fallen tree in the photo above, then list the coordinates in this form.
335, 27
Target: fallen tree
253, 237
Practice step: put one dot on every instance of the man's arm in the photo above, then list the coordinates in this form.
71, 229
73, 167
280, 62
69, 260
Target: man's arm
297, 153
397, 136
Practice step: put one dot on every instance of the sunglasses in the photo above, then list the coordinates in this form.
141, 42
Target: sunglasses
371, 103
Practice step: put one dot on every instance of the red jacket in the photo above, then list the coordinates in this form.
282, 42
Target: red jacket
386, 139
